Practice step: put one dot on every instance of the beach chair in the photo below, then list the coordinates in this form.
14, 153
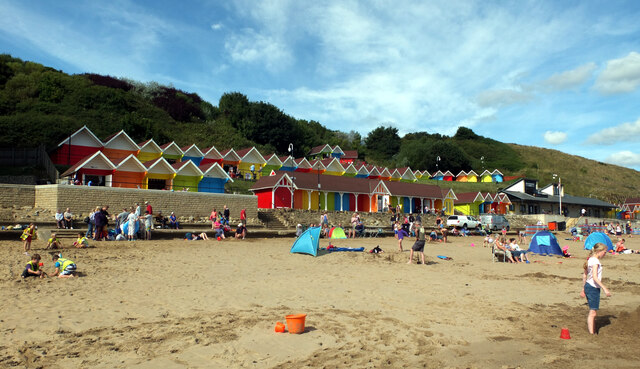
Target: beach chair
496, 253
374, 233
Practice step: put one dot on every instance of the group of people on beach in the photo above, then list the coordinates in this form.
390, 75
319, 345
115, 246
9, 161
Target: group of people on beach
220, 223
63, 268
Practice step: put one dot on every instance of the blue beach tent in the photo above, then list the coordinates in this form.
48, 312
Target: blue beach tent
545, 243
308, 242
597, 237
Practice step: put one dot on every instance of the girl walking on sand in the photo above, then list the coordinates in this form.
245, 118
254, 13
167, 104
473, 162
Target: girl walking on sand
592, 280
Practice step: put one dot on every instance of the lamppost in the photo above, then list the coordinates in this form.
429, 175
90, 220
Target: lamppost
482, 161
437, 164
559, 192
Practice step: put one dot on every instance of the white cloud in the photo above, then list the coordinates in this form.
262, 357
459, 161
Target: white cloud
570, 79
624, 158
625, 132
498, 98
250, 46
555, 138
621, 75
216, 26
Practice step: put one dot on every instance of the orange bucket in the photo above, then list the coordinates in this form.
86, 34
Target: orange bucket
295, 323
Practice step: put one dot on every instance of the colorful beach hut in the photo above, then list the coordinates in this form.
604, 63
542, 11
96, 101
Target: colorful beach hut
129, 173
497, 176
417, 173
288, 163
251, 157
302, 165
462, 176
275, 191
337, 152
385, 174
395, 175
187, 177
172, 152
159, 174
149, 150
192, 153
213, 178
350, 170
320, 152
119, 145
447, 176
406, 175
426, 174
230, 159
78, 145
333, 167
486, 176
472, 176
373, 171
211, 155
468, 203
438, 176
273, 163
93, 170
317, 166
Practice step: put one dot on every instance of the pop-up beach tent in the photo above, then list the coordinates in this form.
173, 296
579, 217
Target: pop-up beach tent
308, 242
545, 243
597, 237
337, 232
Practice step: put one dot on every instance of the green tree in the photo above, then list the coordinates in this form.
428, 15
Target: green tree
382, 144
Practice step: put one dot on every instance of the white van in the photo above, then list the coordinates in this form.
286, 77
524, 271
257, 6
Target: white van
494, 222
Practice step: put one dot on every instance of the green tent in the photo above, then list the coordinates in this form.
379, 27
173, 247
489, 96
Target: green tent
337, 232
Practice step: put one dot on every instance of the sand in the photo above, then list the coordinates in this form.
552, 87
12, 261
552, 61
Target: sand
210, 304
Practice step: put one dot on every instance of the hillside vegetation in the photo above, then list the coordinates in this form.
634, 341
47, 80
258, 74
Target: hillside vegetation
41, 105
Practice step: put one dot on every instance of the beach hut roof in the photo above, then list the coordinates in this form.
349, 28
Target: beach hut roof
288, 161
230, 155
251, 155
469, 197
82, 137
486, 173
448, 174
322, 149
350, 154
273, 159
192, 151
149, 146
302, 163
129, 164
171, 148
414, 190
438, 174
472, 173
121, 141
97, 160
333, 165
350, 169
425, 173
186, 168
462, 174
214, 170
318, 165
159, 165
385, 173
337, 150
496, 172
211, 153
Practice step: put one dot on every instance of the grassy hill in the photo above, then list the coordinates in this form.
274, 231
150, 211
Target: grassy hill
41, 106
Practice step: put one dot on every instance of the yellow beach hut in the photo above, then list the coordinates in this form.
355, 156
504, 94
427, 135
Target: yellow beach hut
472, 176
149, 150
159, 174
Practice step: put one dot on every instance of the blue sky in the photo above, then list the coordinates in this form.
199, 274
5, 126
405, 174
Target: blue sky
557, 74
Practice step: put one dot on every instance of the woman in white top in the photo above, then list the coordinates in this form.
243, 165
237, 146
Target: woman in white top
592, 280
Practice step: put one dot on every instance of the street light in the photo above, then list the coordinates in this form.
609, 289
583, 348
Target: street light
559, 192
437, 163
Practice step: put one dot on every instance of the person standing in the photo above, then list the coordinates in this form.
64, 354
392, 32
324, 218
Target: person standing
148, 224
131, 228
212, 217
418, 246
27, 236
149, 208
226, 214
243, 217
592, 281
355, 218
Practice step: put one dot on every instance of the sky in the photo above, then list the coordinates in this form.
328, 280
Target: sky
563, 75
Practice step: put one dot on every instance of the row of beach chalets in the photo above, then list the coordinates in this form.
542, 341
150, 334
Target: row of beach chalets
329, 178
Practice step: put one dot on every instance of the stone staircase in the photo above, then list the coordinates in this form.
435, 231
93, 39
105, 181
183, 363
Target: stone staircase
272, 221
45, 233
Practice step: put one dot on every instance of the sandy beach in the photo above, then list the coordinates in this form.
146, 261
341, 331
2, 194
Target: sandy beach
211, 304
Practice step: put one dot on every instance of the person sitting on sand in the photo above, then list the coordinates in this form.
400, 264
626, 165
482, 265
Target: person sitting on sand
65, 268
219, 229
241, 231
499, 245
53, 242
620, 248
33, 268
433, 236
81, 242
199, 236
488, 241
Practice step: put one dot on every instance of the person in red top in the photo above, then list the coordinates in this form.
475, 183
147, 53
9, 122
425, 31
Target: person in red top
243, 217
149, 208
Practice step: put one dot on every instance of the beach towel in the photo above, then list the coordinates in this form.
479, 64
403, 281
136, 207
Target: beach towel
334, 249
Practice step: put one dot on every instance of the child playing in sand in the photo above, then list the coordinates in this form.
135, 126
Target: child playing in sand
488, 241
81, 242
402, 233
33, 268
592, 280
53, 242
28, 235
65, 268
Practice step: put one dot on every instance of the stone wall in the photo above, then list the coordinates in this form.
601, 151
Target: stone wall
83, 199
12, 195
